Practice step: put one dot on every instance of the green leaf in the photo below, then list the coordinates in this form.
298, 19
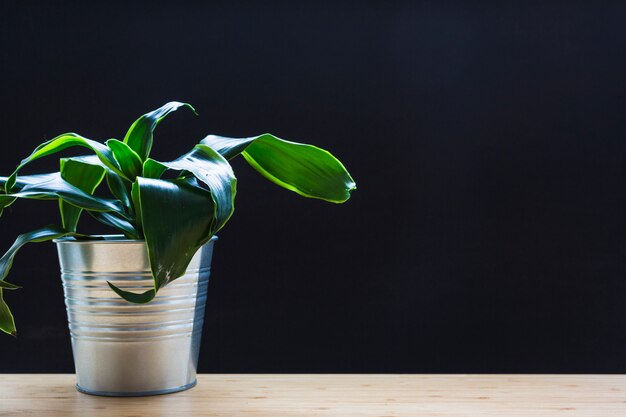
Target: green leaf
7, 324
8, 286
40, 235
305, 169
5, 202
119, 188
177, 219
140, 135
52, 187
128, 160
215, 172
115, 221
27, 180
85, 177
89, 159
62, 142
142, 298
136, 207
153, 169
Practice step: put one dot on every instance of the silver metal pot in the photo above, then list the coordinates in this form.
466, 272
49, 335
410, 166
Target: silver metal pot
124, 349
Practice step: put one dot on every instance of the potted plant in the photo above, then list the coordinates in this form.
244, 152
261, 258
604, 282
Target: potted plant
135, 301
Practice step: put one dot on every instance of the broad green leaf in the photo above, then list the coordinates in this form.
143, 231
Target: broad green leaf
215, 172
52, 187
173, 240
7, 324
83, 176
177, 220
62, 142
128, 160
140, 135
305, 169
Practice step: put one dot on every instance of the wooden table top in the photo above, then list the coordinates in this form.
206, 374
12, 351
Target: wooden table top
278, 395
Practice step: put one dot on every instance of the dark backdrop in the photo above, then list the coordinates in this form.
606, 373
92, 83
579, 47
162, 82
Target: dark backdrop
488, 143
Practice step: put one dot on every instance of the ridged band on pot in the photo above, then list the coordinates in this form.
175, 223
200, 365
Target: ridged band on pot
126, 349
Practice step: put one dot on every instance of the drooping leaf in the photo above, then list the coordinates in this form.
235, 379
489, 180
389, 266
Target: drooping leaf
84, 176
40, 235
7, 324
62, 142
173, 240
52, 187
140, 135
131, 297
130, 163
305, 169
215, 172
177, 218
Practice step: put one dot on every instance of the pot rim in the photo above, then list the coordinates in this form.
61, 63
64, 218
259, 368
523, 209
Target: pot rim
108, 239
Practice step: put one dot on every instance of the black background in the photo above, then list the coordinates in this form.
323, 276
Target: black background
487, 141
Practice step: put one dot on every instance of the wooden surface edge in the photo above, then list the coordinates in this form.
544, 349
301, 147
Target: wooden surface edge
332, 395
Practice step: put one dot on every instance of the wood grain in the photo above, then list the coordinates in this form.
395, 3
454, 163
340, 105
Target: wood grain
332, 395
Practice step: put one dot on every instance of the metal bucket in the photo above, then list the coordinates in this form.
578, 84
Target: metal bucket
124, 349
